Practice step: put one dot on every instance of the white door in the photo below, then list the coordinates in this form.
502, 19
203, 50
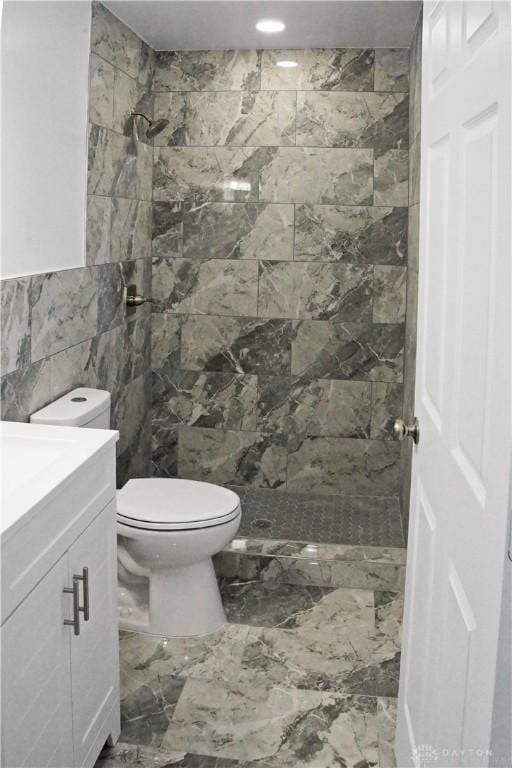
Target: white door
459, 495
94, 652
36, 685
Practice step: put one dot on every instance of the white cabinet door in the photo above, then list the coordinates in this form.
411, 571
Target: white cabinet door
36, 685
94, 652
461, 467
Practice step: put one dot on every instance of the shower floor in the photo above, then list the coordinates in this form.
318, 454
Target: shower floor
356, 520
304, 674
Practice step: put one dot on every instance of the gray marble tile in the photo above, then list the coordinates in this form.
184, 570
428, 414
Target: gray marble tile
270, 603
131, 411
415, 84
127, 755
64, 308
131, 229
146, 71
386, 407
319, 407
146, 713
113, 41
238, 231
389, 294
118, 165
334, 119
391, 178
238, 458
257, 118
137, 347
329, 350
263, 723
414, 237
15, 324
101, 92
214, 286
245, 345
354, 234
164, 440
392, 69
317, 175
305, 550
148, 660
228, 174
226, 400
167, 230
310, 569
207, 70
99, 216
342, 465
314, 291
341, 642
320, 69
165, 340
126, 98
414, 172
109, 283
171, 107
374, 520
24, 391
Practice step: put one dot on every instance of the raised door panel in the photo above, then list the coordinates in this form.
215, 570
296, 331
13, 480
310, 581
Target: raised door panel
94, 653
36, 685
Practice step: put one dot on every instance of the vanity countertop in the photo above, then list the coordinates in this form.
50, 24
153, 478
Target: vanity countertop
36, 461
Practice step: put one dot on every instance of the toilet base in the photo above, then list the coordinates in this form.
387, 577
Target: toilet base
183, 602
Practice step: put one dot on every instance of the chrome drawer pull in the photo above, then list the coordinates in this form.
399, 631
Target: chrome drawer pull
84, 578
75, 621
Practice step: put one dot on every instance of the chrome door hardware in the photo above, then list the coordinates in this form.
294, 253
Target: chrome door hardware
401, 430
75, 591
84, 578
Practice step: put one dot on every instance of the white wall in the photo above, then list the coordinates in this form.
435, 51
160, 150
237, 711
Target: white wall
45, 64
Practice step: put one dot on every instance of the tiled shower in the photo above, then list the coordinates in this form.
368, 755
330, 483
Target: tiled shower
274, 209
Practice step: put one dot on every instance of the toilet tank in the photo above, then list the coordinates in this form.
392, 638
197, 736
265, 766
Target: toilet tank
82, 407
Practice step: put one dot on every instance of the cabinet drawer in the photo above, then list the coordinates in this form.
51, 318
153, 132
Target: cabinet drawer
36, 547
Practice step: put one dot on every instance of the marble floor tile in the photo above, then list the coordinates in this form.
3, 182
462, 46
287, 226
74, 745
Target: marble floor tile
268, 603
276, 726
129, 755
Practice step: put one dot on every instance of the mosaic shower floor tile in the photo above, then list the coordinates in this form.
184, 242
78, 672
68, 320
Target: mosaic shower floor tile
345, 520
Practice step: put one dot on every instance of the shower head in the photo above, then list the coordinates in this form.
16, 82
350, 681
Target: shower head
154, 126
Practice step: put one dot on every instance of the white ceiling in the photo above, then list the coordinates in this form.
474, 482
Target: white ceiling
217, 24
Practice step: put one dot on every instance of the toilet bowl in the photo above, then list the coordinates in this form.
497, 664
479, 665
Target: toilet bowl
168, 530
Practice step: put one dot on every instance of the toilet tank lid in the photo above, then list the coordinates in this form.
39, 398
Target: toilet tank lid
75, 409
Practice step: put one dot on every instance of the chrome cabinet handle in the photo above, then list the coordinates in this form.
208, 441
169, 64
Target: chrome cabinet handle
84, 578
75, 591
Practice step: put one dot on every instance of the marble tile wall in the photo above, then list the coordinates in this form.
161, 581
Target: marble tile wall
67, 329
280, 222
413, 265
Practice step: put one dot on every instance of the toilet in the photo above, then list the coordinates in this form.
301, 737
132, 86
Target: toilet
168, 530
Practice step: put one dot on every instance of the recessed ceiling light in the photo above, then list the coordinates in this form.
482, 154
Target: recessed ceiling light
287, 64
270, 25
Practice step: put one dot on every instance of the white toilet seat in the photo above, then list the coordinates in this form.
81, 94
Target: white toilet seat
165, 504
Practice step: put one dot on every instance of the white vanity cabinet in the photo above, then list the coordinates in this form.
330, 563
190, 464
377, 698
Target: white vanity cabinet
60, 670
